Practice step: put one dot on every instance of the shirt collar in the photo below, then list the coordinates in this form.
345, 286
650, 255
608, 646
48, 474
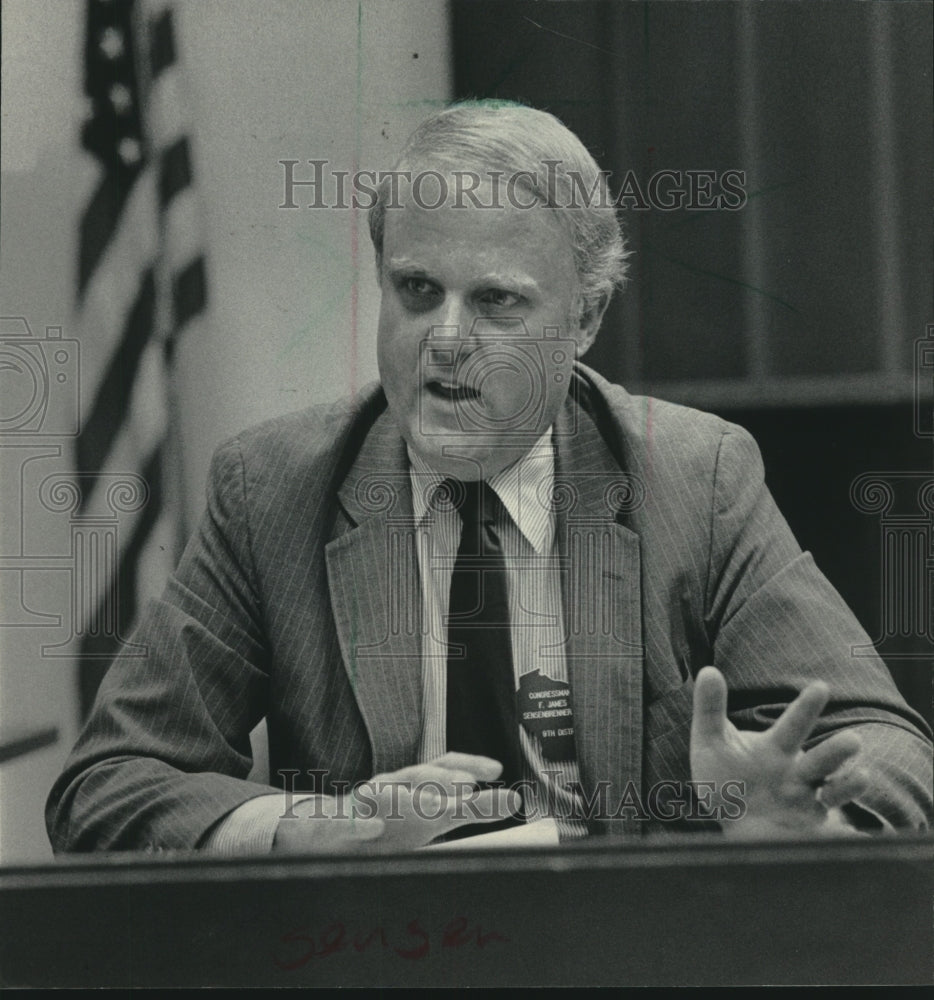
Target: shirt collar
524, 487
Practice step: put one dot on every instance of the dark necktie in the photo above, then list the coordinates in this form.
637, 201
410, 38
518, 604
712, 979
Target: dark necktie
481, 693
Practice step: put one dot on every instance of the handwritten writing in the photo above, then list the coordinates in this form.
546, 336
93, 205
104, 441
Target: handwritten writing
412, 943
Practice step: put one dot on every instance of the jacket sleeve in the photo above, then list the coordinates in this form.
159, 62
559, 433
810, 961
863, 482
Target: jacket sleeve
165, 752
776, 623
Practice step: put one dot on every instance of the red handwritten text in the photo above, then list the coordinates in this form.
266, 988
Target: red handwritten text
413, 942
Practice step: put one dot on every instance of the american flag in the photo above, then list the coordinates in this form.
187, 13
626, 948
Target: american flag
141, 281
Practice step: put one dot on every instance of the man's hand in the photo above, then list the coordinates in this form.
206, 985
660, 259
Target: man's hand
787, 791
399, 811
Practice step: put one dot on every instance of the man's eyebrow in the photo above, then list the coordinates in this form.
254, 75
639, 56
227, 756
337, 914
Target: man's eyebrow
492, 279
512, 282
406, 264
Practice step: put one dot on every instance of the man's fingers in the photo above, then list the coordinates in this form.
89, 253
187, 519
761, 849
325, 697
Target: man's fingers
403, 775
796, 722
482, 768
709, 718
452, 767
425, 774
488, 806
825, 758
843, 786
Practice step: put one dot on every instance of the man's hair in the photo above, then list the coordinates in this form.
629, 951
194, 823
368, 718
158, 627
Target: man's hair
487, 136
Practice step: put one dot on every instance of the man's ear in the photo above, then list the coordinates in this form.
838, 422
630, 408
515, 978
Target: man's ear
591, 316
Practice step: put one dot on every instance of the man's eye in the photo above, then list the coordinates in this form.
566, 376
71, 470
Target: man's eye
420, 287
499, 298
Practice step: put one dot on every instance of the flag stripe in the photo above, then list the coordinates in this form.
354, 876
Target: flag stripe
120, 592
99, 223
182, 230
114, 287
103, 422
142, 278
175, 171
163, 43
189, 293
139, 435
100, 648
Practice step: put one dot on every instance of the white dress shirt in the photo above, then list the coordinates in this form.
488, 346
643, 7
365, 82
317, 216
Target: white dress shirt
526, 529
527, 532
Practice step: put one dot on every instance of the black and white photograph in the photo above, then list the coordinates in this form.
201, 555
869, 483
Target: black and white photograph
466, 493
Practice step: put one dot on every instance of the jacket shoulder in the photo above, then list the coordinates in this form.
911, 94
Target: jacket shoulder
314, 437
654, 431
295, 461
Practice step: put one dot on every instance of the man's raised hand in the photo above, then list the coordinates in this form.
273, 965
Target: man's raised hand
787, 791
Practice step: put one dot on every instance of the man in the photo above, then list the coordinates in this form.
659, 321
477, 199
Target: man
495, 564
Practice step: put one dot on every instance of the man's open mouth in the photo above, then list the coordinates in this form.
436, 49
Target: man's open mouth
452, 391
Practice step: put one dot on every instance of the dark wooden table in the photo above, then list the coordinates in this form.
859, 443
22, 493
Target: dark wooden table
680, 912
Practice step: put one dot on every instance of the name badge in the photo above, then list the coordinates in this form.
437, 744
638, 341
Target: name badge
545, 711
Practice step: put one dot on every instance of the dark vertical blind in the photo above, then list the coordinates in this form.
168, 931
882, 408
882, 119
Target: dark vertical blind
825, 273
814, 292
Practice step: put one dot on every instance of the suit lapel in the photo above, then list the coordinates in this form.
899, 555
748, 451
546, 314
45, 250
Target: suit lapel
601, 587
375, 593
374, 585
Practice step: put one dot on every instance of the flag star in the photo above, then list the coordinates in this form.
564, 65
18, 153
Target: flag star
111, 43
129, 151
120, 98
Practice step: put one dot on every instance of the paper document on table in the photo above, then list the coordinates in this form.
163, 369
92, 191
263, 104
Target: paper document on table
541, 833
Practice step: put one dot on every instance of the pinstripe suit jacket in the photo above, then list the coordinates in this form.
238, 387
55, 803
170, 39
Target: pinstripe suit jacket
297, 599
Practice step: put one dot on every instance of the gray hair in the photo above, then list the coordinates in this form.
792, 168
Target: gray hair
557, 171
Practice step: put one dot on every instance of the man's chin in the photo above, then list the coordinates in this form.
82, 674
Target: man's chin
467, 456
460, 456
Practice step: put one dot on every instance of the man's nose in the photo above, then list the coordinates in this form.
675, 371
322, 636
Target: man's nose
453, 319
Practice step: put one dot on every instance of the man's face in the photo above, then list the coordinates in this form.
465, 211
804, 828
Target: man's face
479, 324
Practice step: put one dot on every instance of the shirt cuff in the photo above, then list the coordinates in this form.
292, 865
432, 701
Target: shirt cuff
251, 827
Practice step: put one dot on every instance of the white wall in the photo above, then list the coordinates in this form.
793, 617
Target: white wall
293, 80
267, 80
